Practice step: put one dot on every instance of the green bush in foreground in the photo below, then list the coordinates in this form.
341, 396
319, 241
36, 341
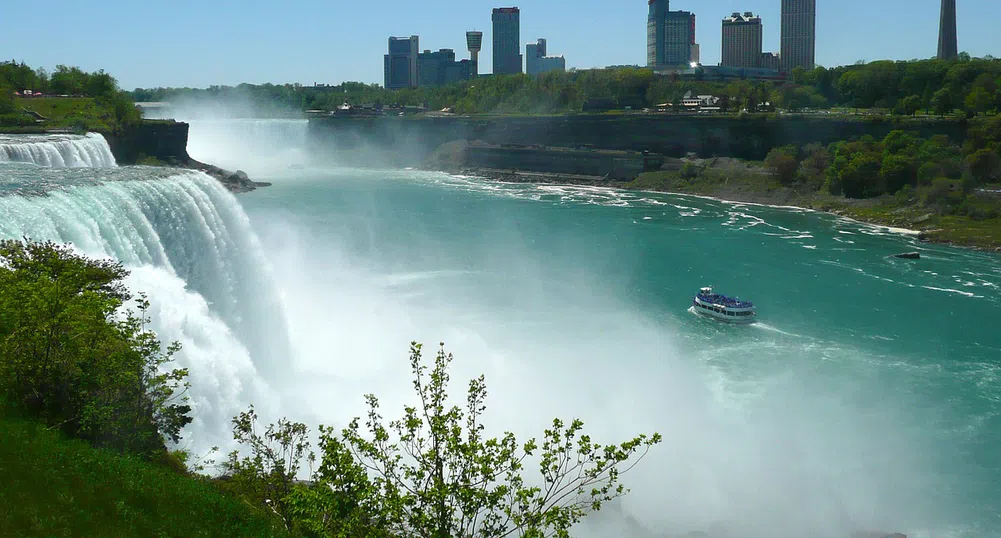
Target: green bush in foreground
431, 473
69, 358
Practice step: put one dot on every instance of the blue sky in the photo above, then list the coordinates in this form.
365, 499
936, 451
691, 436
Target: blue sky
204, 42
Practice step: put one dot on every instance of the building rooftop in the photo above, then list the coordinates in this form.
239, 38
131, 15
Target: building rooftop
739, 18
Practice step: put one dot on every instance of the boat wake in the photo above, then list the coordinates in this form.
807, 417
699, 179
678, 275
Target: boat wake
773, 329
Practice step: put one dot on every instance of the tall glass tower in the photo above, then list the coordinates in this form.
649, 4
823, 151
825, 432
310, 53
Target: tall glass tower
507, 40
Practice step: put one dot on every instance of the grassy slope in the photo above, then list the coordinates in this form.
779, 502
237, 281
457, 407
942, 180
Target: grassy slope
52, 486
755, 187
66, 111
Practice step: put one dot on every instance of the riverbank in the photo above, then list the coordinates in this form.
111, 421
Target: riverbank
738, 181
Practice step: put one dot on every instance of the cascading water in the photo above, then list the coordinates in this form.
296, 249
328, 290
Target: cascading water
189, 246
58, 151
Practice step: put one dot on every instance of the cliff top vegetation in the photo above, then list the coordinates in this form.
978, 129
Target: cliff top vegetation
34, 99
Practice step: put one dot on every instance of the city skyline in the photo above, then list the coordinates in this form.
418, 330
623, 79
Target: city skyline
199, 45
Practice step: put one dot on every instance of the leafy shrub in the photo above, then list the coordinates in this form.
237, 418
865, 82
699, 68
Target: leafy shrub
782, 162
69, 357
432, 472
689, 170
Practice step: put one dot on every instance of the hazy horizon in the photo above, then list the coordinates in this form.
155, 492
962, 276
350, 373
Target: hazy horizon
307, 42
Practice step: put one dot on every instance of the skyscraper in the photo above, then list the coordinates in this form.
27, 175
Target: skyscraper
400, 65
948, 48
507, 40
670, 38
655, 26
799, 34
742, 38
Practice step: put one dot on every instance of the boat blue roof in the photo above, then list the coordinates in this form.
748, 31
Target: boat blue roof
725, 300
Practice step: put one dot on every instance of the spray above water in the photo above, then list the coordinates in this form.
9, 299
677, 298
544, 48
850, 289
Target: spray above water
230, 134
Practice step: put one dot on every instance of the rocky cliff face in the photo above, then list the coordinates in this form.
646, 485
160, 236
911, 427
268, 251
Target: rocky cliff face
163, 140
167, 142
407, 141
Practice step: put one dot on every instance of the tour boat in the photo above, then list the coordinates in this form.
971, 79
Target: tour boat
721, 307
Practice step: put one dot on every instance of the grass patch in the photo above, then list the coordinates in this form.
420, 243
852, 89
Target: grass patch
711, 182
78, 112
53, 486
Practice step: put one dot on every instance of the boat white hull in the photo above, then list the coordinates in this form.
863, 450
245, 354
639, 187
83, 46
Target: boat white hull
723, 317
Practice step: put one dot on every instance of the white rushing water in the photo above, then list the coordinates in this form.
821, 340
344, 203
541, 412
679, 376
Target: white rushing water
189, 246
57, 151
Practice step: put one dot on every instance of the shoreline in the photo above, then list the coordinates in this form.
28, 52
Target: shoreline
749, 198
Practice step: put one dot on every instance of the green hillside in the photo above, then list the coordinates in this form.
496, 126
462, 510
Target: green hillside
54, 486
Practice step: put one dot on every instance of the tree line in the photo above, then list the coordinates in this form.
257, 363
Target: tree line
968, 85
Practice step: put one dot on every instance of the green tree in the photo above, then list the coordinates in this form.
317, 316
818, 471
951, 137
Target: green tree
6, 99
859, 177
816, 160
69, 358
433, 473
896, 171
909, 105
689, 170
783, 163
978, 101
984, 166
942, 102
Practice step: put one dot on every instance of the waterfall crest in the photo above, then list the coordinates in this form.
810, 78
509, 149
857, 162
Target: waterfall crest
57, 151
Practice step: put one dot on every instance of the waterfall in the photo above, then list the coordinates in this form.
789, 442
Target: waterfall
57, 151
190, 247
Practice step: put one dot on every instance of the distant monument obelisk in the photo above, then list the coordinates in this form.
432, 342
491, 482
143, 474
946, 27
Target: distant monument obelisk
947, 46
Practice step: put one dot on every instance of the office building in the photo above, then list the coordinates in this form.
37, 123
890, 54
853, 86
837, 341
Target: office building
799, 34
507, 40
678, 38
655, 27
770, 60
670, 35
440, 68
537, 60
948, 46
400, 64
742, 37
474, 42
